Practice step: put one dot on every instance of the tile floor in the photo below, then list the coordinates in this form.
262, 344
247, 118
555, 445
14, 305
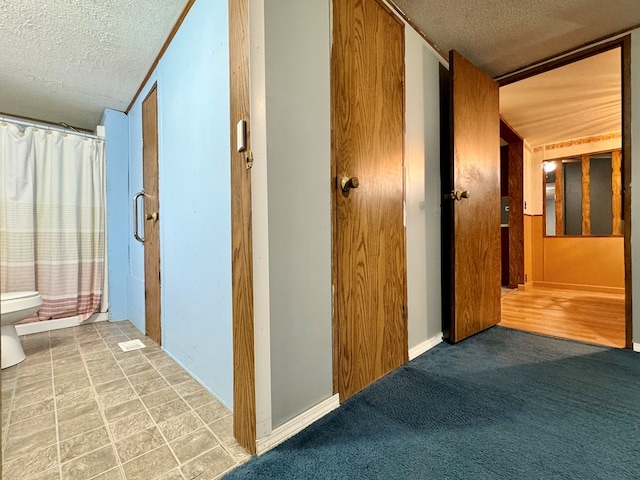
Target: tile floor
80, 408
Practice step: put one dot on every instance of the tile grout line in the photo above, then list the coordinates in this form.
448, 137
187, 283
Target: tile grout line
55, 406
207, 426
191, 409
93, 430
146, 409
5, 434
100, 409
36, 475
106, 336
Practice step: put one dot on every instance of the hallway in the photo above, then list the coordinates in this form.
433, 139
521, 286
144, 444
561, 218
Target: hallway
590, 317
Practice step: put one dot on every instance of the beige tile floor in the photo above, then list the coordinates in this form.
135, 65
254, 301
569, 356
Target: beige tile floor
80, 408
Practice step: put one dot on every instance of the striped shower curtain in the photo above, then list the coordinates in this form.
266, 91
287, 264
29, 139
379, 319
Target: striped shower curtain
52, 218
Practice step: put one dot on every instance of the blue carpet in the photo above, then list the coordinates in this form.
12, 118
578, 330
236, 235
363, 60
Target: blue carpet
500, 405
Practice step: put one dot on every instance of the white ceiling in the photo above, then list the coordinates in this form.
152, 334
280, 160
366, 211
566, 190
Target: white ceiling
577, 100
66, 60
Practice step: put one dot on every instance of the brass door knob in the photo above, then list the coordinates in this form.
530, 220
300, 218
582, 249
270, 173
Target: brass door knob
456, 195
151, 216
347, 183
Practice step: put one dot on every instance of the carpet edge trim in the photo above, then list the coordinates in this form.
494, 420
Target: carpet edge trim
296, 424
425, 346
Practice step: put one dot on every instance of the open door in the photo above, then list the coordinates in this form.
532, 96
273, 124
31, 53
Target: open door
471, 204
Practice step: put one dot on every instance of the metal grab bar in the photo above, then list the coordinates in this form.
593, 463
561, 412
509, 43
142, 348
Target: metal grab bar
135, 216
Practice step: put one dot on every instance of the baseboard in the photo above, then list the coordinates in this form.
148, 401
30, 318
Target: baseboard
586, 288
425, 346
57, 324
636, 347
297, 424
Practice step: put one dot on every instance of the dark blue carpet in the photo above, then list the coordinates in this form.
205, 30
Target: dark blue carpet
502, 404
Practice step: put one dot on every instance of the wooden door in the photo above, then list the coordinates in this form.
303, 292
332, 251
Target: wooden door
369, 235
472, 252
151, 218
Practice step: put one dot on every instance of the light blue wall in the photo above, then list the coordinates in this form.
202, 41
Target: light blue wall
194, 190
117, 167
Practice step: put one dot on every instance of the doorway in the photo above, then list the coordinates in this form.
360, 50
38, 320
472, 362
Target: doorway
582, 105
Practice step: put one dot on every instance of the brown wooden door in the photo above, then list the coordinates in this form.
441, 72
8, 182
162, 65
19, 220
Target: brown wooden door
473, 251
369, 235
151, 215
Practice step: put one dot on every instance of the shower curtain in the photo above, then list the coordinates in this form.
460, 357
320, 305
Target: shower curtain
52, 209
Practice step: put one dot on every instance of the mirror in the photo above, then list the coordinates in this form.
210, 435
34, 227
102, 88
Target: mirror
583, 195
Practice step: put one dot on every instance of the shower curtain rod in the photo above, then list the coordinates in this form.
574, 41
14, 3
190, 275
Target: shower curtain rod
48, 126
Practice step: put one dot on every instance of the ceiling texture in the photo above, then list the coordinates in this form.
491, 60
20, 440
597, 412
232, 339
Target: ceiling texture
67, 60
578, 100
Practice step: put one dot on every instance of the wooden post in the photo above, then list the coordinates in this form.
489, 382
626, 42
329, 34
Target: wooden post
586, 195
616, 192
559, 198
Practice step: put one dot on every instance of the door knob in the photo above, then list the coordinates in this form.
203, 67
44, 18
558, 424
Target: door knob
456, 195
347, 183
151, 216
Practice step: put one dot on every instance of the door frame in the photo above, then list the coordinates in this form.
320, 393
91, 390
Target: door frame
244, 376
624, 43
516, 203
334, 218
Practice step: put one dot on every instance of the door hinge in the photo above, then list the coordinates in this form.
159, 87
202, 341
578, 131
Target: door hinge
404, 312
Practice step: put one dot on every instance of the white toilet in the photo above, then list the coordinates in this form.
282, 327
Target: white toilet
14, 307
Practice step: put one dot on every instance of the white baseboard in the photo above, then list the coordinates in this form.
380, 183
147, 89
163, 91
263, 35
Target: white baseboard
425, 346
636, 347
48, 325
297, 424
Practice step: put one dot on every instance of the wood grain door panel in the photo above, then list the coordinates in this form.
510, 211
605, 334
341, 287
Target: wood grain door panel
369, 249
475, 164
151, 226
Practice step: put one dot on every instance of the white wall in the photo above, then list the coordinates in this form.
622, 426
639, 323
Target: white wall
422, 170
290, 125
291, 195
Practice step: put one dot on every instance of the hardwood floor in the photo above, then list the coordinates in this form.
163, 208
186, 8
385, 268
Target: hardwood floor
590, 317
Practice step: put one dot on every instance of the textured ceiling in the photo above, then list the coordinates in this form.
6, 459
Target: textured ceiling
501, 36
578, 100
66, 60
